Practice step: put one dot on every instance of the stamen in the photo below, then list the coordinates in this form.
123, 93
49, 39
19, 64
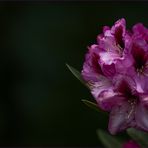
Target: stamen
132, 104
140, 71
119, 47
90, 84
145, 67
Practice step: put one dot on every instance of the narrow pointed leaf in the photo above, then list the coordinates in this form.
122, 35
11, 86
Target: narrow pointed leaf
94, 106
107, 140
77, 74
139, 136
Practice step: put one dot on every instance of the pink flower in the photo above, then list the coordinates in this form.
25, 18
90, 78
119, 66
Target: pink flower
139, 51
128, 107
131, 144
114, 44
92, 72
137, 58
116, 69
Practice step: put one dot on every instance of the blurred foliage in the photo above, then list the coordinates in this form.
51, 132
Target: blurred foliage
136, 137
139, 136
40, 99
109, 141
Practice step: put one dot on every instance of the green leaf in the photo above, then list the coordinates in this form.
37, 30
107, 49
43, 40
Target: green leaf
93, 106
139, 136
107, 140
77, 74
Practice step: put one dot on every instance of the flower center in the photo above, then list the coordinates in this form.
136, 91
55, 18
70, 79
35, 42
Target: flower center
95, 64
132, 101
140, 58
125, 89
140, 70
119, 38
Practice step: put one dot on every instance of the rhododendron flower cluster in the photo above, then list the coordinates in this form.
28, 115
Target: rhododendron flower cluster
116, 71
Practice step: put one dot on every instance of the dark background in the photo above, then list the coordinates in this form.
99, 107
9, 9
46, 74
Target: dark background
40, 102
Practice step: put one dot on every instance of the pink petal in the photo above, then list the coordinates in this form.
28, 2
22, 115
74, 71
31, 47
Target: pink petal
120, 117
128, 43
108, 43
141, 117
106, 28
108, 57
91, 68
144, 99
120, 23
101, 85
140, 30
141, 81
124, 83
124, 65
109, 70
108, 99
118, 30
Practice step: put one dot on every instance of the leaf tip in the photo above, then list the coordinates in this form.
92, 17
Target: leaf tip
67, 65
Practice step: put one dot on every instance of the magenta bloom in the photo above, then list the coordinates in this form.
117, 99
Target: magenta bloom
116, 69
128, 107
114, 44
131, 144
92, 72
139, 51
